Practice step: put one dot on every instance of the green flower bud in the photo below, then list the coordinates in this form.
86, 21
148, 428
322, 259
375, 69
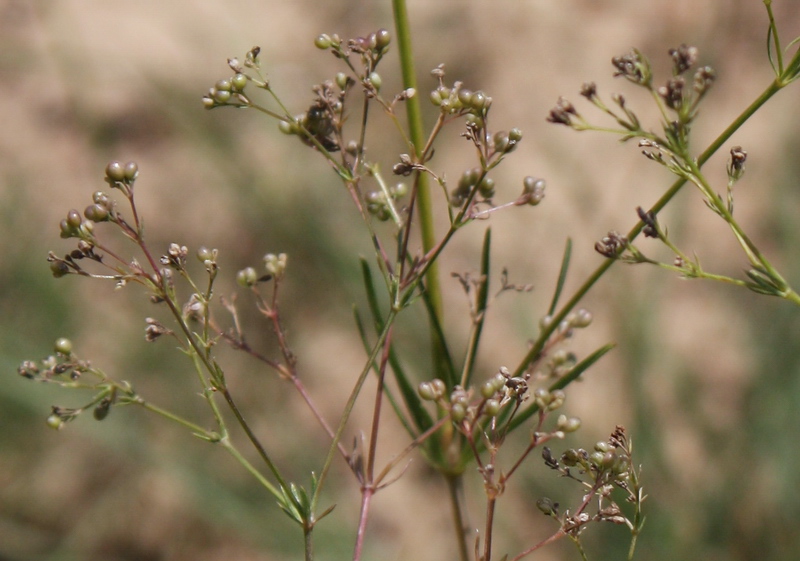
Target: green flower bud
465, 96
86, 229
502, 143
457, 412
131, 171
426, 391
570, 458
491, 408
323, 42
609, 459
557, 398
475, 120
115, 172
439, 387
204, 254
583, 318
275, 264
96, 213
488, 389
287, 127
533, 190
486, 187
478, 101
100, 198
341, 80
602, 446
74, 219
223, 85
222, 96
515, 135
59, 268
376, 80
238, 82
382, 39
55, 422
63, 346
247, 277
568, 424
498, 381
375, 197
67, 231
398, 190
468, 179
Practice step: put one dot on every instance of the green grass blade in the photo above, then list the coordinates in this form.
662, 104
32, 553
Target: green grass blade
372, 295
446, 369
563, 382
562, 277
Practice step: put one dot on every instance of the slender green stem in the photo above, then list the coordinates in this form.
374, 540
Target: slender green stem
254, 440
417, 134
587, 285
233, 451
197, 429
454, 483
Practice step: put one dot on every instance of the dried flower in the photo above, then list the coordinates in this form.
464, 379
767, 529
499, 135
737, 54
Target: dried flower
683, 58
611, 245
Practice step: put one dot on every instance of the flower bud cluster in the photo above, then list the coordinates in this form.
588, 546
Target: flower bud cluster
609, 462
634, 67
276, 264
119, 174
578, 319
61, 366
227, 91
612, 245
470, 180
495, 393
532, 191
74, 226
457, 100
64, 369
548, 400
377, 203
176, 257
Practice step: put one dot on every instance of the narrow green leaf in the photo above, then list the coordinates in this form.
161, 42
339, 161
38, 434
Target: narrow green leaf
563, 382
581, 367
562, 277
372, 295
446, 369
422, 419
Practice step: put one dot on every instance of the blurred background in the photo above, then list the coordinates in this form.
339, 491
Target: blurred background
705, 377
